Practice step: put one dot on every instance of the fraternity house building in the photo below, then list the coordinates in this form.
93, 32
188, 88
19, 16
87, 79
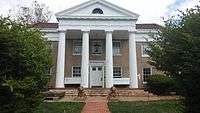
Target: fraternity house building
98, 44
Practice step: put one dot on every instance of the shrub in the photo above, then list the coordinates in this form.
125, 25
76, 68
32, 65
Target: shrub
59, 94
159, 84
25, 57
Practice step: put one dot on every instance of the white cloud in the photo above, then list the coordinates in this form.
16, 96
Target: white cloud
180, 5
150, 11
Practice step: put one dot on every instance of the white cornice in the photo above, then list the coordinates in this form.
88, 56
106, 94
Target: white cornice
97, 17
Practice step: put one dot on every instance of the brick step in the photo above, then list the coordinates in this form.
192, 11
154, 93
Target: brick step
71, 92
97, 92
105, 92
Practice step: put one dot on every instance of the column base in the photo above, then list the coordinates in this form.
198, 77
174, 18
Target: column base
84, 86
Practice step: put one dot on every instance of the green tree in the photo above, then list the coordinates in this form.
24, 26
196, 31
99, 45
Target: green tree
30, 15
25, 58
176, 51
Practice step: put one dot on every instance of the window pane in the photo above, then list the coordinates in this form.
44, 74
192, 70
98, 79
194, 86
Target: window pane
99, 68
93, 68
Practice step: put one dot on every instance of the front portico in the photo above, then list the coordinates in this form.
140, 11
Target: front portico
96, 19
90, 67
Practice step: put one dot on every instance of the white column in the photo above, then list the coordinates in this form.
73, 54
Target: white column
109, 60
61, 61
132, 60
85, 60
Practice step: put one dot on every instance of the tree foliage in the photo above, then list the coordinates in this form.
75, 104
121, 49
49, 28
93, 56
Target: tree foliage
176, 51
24, 59
34, 14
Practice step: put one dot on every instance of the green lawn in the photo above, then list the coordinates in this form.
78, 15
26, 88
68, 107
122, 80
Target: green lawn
60, 107
146, 107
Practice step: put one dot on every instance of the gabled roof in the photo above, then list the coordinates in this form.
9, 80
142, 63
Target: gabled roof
68, 12
138, 26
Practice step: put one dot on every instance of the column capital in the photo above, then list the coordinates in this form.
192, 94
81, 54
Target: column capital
132, 31
109, 31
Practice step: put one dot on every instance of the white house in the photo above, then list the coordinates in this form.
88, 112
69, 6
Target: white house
98, 44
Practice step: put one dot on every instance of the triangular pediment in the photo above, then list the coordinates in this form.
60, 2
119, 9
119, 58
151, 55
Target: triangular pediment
86, 10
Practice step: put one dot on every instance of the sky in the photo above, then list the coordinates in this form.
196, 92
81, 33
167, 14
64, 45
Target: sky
150, 11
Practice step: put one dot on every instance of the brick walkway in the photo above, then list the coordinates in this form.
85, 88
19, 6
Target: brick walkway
96, 105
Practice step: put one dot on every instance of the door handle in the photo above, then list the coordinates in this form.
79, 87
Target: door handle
101, 79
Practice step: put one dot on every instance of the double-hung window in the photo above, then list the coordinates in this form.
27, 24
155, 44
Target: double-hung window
77, 47
76, 71
145, 48
116, 47
97, 47
117, 72
146, 74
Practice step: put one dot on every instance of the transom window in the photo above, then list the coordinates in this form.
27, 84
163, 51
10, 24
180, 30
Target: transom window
77, 47
146, 74
145, 48
117, 72
97, 47
116, 47
76, 71
98, 68
97, 11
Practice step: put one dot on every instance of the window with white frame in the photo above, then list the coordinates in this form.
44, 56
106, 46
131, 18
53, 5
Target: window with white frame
145, 48
116, 47
76, 71
97, 47
77, 47
117, 72
146, 74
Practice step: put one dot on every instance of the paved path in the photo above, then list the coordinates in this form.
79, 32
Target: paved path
96, 105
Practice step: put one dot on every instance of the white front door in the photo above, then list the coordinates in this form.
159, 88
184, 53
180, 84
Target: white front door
96, 76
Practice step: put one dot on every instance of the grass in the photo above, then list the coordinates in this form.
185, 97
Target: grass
60, 107
146, 107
